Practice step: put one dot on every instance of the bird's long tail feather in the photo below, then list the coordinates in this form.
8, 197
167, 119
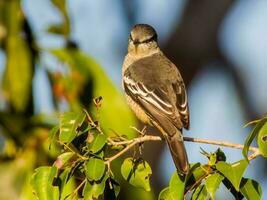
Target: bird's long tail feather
178, 152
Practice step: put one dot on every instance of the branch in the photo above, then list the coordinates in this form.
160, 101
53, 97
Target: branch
131, 143
146, 138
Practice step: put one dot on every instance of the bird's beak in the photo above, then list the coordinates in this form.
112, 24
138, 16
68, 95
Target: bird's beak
135, 48
136, 43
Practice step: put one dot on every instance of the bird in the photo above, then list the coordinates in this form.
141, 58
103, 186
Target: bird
156, 92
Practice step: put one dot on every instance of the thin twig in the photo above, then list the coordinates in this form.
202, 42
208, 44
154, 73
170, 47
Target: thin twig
73, 151
133, 142
254, 155
219, 143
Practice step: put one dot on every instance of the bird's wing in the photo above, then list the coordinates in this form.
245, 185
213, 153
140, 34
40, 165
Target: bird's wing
164, 99
182, 103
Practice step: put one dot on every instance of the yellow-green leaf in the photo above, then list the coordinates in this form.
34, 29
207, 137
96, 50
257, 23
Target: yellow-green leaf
92, 190
233, 172
262, 139
251, 136
165, 194
69, 122
176, 187
98, 143
18, 74
200, 193
63, 28
136, 173
42, 183
250, 189
212, 183
95, 169
196, 174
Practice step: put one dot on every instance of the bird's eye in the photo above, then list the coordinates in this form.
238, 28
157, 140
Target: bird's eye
153, 38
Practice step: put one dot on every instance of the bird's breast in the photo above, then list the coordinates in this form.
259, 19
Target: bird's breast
139, 112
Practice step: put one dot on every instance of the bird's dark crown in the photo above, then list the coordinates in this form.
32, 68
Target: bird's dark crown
143, 33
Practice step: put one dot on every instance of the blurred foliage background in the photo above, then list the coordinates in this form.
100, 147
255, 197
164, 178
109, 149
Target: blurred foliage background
49, 55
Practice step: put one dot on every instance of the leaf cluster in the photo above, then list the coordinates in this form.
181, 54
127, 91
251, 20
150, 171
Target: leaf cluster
88, 153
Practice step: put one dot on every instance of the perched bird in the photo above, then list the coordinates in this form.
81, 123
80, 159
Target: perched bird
155, 91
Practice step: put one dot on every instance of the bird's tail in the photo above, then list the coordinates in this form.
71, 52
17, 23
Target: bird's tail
178, 152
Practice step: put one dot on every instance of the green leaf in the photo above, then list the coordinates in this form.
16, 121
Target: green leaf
251, 137
60, 4
69, 122
63, 28
53, 132
66, 184
95, 169
250, 189
42, 183
233, 172
18, 74
176, 187
196, 174
57, 29
98, 143
262, 139
136, 173
212, 183
63, 159
52, 135
165, 194
17, 80
200, 193
92, 190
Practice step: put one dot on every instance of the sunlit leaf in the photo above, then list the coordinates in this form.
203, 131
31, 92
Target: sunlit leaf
200, 193
136, 173
176, 187
61, 4
212, 183
98, 143
233, 172
19, 69
251, 137
18, 74
95, 169
69, 122
262, 139
52, 134
165, 194
92, 190
42, 181
66, 184
57, 29
196, 174
63, 28
250, 189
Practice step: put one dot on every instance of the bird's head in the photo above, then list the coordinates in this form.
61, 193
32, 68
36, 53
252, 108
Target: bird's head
142, 40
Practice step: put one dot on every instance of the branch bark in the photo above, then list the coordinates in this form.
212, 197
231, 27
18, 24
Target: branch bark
146, 138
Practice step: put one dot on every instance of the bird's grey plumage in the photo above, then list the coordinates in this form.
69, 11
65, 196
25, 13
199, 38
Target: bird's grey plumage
154, 87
